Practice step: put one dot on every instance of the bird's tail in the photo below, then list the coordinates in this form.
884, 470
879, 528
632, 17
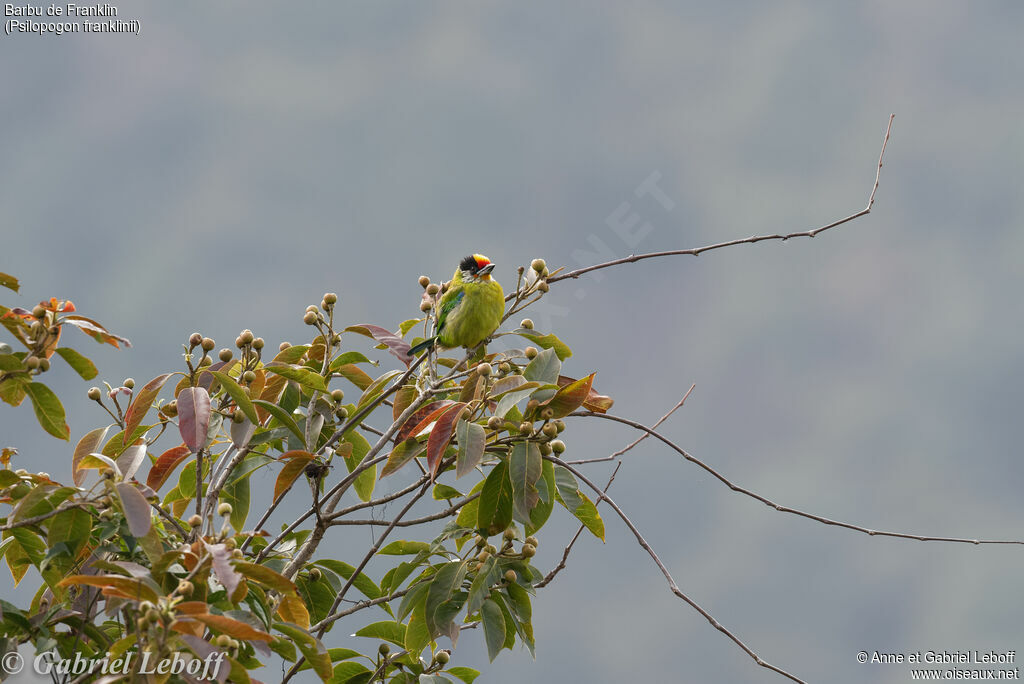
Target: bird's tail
425, 344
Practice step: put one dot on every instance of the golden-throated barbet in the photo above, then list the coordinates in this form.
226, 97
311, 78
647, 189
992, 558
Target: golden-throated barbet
470, 310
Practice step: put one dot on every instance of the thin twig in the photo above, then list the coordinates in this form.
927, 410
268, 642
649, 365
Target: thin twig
360, 605
440, 515
785, 509
359, 568
602, 495
572, 542
639, 439
25, 522
740, 241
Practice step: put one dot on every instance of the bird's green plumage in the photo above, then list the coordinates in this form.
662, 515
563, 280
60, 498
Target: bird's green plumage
469, 311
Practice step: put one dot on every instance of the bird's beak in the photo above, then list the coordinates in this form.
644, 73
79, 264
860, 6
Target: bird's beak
485, 271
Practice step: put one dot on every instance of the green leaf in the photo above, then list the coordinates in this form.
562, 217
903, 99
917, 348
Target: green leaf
404, 452
466, 674
354, 374
71, 527
9, 281
347, 358
239, 396
510, 399
33, 547
362, 582
510, 623
292, 354
495, 512
12, 388
299, 374
413, 598
344, 672
249, 465
310, 647
281, 416
406, 326
404, 548
81, 365
236, 493
486, 577
494, 627
543, 368
470, 512
49, 410
446, 582
546, 342
443, 491
472, 439
117, 444
317, 594
33, 503
524, 470
376, 388
587, 514
546, 492
366, 480
570, 496
417, 636
387, 630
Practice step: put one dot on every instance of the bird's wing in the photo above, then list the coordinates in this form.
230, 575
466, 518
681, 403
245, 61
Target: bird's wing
449, 304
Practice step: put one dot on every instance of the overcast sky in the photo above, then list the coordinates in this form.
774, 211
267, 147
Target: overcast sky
233, 161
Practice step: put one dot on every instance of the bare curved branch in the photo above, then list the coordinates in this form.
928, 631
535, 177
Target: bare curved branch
740, 241
602, 495
779, 507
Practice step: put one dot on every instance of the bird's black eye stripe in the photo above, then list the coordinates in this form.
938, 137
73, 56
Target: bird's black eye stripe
469, 264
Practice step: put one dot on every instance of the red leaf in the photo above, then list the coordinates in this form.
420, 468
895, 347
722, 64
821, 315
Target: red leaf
140, 405
166, 464
421, 419
395, 344
193, 416
441, 435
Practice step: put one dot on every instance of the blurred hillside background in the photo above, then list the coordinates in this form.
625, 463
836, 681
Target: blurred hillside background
234, 161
